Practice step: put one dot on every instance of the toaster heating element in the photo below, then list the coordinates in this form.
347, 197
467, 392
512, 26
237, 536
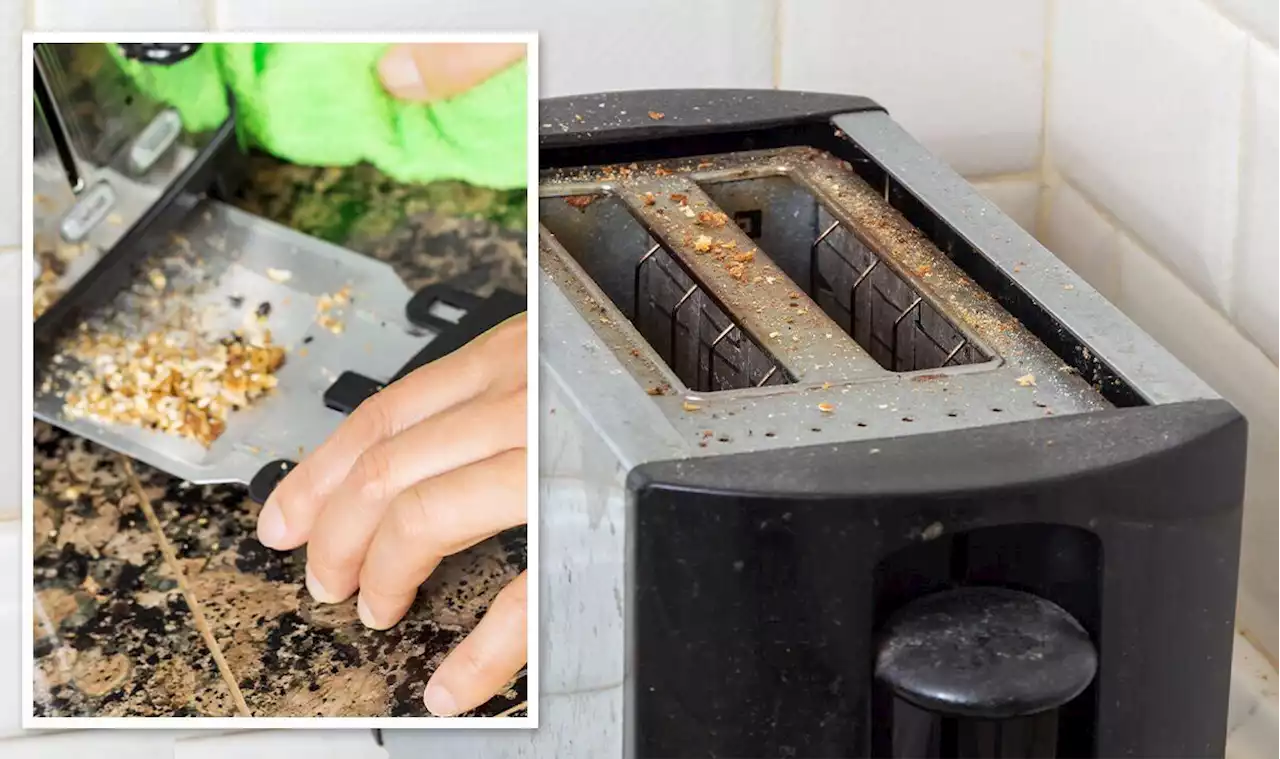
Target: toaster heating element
857, 467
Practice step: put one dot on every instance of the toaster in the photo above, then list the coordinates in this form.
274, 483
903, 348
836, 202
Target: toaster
133, 238
838, 461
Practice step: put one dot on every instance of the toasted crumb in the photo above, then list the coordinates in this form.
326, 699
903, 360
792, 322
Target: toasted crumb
157, 279
1027, 380
333, 325
687, 406
826, 408
657, 115
702, 244
165, 383
279, 275
46, 291
715, 219
580, 202
649, 199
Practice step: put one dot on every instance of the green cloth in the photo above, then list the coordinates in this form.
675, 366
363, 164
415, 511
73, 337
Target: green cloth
323, 105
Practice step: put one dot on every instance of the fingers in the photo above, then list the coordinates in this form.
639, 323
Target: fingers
487, 659
289, 514
431, 72
431, 520
467, 433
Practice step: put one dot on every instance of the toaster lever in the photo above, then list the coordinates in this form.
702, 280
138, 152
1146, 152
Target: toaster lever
981, 672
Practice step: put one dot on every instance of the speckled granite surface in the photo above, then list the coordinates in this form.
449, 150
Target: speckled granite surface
155, 599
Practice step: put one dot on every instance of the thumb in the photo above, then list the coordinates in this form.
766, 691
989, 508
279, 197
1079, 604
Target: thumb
438, 71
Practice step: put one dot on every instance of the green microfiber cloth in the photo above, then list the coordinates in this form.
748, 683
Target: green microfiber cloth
323, 105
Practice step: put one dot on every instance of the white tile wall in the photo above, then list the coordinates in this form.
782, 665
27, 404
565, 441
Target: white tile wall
1258, 16
10, 629
1258, 240
10, 385
964, 78
273, 744
586, 46
1144, 114
1078, 234
1017, 197
120, 15
98, 744
11, 23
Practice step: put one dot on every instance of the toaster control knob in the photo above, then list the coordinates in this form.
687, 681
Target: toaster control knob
994, 663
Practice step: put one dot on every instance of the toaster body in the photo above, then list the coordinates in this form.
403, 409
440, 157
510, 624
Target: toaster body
837, 461
113, 169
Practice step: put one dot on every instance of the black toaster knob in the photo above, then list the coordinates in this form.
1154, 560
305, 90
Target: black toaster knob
163, 54
981, 672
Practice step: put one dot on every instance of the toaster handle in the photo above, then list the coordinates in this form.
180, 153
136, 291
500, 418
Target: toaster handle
642, 115
456, 318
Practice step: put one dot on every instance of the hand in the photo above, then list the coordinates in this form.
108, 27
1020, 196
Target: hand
429, 466
429, 72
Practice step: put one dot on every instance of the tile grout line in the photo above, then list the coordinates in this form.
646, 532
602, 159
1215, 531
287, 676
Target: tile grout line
1245, 109
1027, 175
1244, 26
1043, 201
189, 595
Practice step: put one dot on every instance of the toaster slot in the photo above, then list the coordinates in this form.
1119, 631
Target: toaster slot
857, 285
673, 316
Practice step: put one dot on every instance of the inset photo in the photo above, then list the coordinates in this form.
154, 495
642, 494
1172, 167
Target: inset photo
279, 367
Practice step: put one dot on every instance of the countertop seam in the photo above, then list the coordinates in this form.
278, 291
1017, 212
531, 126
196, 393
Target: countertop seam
197, 613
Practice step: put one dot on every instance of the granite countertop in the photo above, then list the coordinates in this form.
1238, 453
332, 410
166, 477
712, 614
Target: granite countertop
154, 598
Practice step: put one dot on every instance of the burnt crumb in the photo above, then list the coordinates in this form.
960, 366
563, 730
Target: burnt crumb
307, 340
236, 301
263, 310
